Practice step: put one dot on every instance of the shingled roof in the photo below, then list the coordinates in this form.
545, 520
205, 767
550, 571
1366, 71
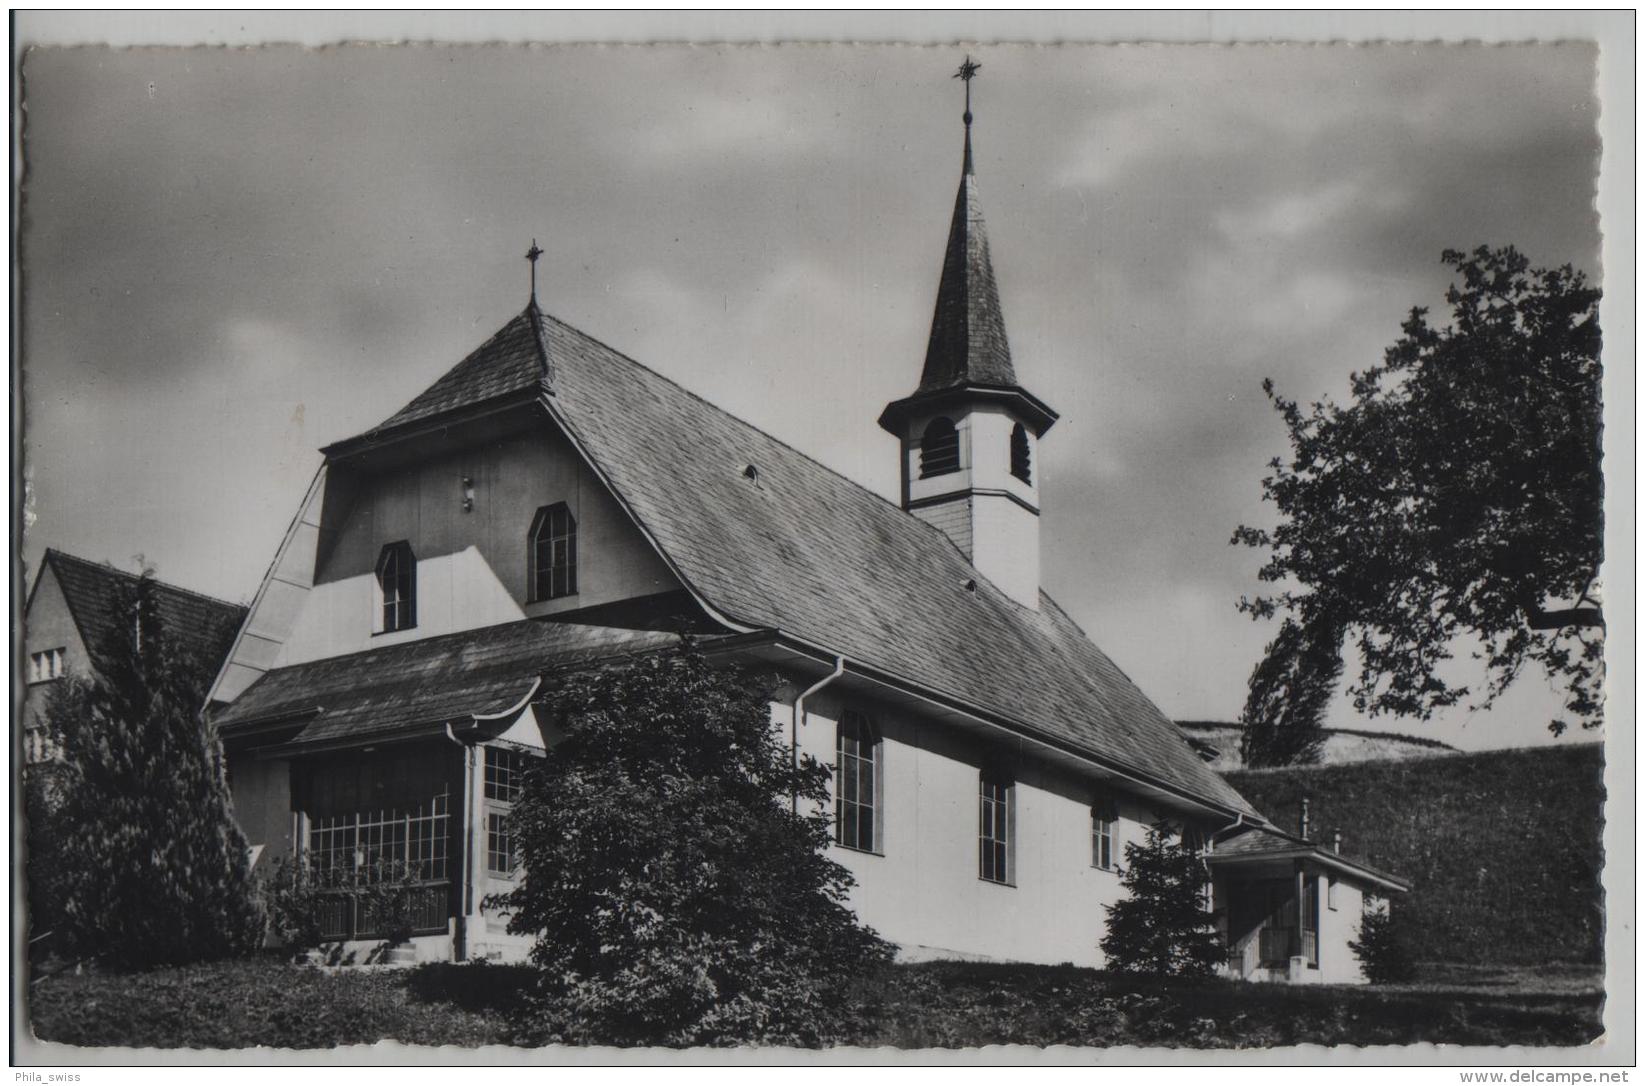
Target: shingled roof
1262, 842
802, 550
426, 683
202, 625
511, 360
968, 355
967, 344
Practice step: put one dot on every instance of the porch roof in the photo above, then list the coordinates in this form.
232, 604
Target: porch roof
459, 678
1260, 844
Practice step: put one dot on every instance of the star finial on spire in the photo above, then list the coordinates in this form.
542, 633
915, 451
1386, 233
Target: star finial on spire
968, 72
532, 254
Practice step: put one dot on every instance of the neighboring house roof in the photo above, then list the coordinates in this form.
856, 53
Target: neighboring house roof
1260, 843
426, 683
797, 548
1219, 745
201, 625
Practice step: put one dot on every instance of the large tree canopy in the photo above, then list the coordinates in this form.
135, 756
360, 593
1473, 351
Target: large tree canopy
1456, 501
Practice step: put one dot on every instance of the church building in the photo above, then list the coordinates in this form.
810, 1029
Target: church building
552, 504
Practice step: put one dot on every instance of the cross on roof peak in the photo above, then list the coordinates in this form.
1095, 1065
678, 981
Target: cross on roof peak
967, 72
532, 254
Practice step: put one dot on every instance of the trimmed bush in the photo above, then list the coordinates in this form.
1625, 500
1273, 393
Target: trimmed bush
1503, 847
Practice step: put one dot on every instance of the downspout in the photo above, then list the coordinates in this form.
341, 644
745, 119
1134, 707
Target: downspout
460, 950
1210, 883
799, 716
1234, 825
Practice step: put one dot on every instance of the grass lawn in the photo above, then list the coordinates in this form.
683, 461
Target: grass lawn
946, 1004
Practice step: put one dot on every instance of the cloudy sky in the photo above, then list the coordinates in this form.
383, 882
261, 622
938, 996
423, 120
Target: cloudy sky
233, 257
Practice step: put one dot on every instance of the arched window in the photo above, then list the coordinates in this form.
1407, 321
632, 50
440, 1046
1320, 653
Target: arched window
857, 784
397, 577
939, 448
1020, 466
553, 553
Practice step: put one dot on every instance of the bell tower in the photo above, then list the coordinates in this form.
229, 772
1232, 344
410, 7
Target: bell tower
970, 432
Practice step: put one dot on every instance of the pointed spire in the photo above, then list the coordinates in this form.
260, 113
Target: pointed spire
968, 343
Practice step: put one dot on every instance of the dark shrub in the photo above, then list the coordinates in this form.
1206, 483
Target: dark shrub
1162, 927
153, 868
1383, 948
674, 867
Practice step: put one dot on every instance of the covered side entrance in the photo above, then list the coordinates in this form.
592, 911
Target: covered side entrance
1291, 907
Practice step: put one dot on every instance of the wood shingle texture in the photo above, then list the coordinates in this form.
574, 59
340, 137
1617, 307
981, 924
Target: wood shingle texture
202, 626
968, 344
801, 549
427, 683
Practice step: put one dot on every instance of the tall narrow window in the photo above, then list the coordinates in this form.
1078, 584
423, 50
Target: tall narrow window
553, 553
939, 448
994, 828
857, 784
397, 577
1104, 814
1020, 465
504, 774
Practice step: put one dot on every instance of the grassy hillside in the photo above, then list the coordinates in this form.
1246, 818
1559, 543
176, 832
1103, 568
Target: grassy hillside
1503, 846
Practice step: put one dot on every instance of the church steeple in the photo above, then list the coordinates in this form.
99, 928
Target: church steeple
968, 343
969, 432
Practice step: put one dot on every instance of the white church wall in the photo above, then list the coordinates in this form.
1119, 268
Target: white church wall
923, 891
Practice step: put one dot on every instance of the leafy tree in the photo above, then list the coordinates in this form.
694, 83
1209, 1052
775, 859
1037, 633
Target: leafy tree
1162, 926
1457, 499
153, 869
674, 870
1289, 691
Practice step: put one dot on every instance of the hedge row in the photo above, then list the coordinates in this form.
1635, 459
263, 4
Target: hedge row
1504, 847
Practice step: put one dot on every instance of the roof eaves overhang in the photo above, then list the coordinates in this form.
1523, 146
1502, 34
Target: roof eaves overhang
1323, 857
1035, 411
784, 646
379, 438
472, 727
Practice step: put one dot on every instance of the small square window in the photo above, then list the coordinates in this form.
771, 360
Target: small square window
45, 666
